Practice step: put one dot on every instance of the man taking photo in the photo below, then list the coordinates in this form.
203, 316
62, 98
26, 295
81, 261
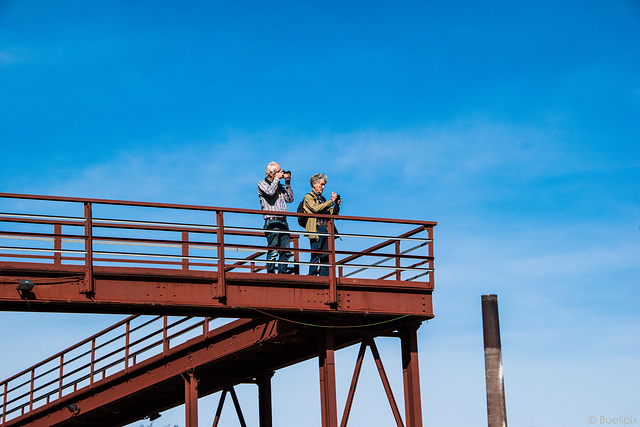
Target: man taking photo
274, 198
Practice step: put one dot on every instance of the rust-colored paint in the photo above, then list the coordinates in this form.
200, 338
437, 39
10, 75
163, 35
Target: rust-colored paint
380, 282
241, 351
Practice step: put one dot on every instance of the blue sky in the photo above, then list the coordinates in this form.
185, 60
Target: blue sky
514, 125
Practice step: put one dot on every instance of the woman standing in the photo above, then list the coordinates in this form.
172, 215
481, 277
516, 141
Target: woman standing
314, 202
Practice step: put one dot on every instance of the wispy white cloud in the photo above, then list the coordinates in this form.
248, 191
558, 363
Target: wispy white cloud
548, 252
462, 149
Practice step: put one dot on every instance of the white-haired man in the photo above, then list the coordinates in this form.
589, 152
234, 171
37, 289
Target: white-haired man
274, 198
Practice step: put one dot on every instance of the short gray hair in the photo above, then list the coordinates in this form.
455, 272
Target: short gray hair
271, 167
317, 178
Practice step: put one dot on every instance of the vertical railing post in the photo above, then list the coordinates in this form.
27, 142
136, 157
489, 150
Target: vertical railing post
333, 291
88, 248
61, 379
430, 254
398, 265
57, 244
93, 361
127, 338
205, 327
165, 333
222, 286
31, 388
185, 250
4, 402
296, 254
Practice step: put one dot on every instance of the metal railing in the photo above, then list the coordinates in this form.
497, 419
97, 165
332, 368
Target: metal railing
116, 350
96, 232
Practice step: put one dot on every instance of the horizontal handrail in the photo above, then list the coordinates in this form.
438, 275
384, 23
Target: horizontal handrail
204, 208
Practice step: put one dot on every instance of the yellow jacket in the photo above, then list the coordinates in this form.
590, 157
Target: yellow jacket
312, 205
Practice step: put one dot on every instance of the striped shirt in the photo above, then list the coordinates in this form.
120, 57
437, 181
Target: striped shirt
274, 197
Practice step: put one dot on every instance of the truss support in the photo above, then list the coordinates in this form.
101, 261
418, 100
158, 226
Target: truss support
354, 383
236, 404
326, 358
411, 375
385, 382
191, 399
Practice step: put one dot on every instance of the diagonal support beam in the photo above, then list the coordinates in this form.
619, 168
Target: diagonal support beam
411, 378
236, 404
354, 383
385, 382
219, 409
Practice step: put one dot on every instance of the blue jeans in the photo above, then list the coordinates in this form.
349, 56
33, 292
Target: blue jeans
321, 244
277, 240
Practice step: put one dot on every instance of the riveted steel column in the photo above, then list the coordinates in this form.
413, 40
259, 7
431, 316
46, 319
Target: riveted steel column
191, 399
411, 375
264, 396
326, 357
496, 407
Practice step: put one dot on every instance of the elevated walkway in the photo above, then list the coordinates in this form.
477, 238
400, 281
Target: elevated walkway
105, 256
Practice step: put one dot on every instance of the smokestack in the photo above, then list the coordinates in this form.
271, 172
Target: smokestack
496, 407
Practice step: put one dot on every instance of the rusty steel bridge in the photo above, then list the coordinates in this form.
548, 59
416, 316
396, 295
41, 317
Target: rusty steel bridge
205, 314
